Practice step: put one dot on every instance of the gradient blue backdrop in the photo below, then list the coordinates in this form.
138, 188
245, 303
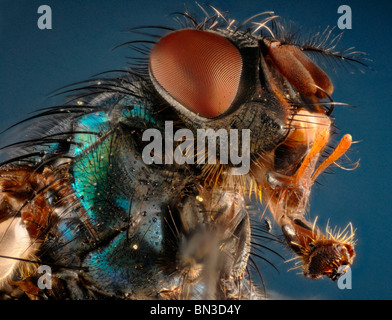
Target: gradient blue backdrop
34, 62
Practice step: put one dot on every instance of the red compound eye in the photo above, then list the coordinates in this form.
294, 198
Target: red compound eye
199, 69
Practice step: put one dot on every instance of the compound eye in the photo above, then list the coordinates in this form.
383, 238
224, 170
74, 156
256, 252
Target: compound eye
199, 69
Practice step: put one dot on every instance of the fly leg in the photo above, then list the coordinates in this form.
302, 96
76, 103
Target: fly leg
213, 231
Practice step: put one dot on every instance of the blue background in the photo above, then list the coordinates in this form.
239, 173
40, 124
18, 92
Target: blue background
34, 62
